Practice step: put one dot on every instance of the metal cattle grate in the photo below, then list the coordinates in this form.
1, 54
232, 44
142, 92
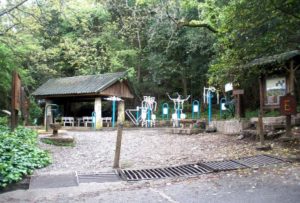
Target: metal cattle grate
224, 165
259, 160
158, 173
97, 177
199, 168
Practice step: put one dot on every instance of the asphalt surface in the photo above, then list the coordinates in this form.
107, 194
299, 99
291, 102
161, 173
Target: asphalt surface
273, 184
233, 190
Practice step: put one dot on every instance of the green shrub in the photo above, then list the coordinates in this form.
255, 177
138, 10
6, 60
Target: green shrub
35, 111
3, 121
19, 154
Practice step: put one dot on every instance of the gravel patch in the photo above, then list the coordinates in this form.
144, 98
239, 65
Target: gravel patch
143, 148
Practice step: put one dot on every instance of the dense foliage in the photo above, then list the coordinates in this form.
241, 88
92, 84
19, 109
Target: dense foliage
19, 154
165, 45
250, 30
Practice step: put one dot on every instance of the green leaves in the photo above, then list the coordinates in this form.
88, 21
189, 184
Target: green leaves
249, 30
19, 154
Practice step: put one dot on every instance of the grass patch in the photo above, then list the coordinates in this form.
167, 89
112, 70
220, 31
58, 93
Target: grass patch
58, 143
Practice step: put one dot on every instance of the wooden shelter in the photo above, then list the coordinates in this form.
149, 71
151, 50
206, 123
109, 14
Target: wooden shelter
70, 90
277, 79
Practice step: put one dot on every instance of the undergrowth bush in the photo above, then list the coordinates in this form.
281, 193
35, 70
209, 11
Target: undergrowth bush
19, 154
3, 121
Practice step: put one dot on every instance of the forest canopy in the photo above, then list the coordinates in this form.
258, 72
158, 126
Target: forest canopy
164, 45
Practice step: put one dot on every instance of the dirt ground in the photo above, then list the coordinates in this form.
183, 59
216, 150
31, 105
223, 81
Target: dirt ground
144, 148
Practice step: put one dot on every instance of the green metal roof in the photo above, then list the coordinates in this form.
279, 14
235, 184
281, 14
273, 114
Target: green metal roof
87, 84
275, 59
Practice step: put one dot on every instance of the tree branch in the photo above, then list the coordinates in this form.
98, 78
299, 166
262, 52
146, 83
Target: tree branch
280, 8
192, 23
7, 29
5, 11
195, 23
28, 13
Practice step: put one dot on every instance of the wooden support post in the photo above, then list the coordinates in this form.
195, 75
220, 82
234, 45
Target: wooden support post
288, 107
261, 130
288, 127
118, 146
121, 111
98, 111
239, 106
260, 124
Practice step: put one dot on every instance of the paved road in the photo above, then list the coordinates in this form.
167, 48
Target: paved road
274, 184
226, 189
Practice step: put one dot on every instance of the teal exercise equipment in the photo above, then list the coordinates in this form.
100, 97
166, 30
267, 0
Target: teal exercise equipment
165, 111
195, 109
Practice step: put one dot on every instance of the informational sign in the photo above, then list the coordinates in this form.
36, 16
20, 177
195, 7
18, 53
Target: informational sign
165, 111
238, 92
196, 108
223, 107
275, 88
228, 87
288, 105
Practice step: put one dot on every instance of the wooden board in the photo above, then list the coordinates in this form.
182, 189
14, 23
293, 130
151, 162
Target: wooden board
119, 89
238, 91
288, 105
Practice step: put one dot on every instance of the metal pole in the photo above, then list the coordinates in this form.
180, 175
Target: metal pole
46, 116
118, 146
148, 117
137, 115
93, 120
114, 113
209, 107
193, 109
46, 112
162, 113
178, 116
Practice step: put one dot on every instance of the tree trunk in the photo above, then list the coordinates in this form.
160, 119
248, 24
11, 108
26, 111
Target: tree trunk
184, 84
139, 56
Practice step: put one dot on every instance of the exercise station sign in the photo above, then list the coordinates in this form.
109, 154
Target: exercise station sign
288, 105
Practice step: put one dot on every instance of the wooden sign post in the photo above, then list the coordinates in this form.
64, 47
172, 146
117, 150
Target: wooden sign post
288, 107
118, 146
15, 99
240, 111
